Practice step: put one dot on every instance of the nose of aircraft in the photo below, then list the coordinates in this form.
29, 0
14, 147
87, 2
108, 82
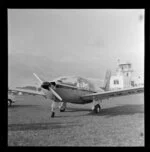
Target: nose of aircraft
45, 85
48, 86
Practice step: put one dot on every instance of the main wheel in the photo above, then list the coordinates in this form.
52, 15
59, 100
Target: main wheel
62, 110
63, 107
97, 108
9, 102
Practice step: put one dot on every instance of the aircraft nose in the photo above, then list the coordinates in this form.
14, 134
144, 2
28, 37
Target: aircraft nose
45, 85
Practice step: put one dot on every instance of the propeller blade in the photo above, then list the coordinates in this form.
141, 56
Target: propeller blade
55, 94
38, 78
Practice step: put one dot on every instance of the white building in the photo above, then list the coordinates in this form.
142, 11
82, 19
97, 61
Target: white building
137, 81
116, 82
122, 79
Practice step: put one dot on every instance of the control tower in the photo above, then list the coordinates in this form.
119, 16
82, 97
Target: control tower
125, 70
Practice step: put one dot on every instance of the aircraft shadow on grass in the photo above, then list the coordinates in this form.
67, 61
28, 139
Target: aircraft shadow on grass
69, 109
120, 110
128, 109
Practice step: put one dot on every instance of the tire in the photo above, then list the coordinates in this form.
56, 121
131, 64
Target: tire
9, 102
62, 110
97, 108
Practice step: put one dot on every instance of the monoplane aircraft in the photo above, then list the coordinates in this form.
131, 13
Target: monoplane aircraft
77, 90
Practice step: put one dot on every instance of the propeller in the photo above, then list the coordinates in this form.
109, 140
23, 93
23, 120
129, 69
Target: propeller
55, 94
38, 78
47, 85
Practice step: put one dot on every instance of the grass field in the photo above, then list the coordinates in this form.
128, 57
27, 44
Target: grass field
120, 123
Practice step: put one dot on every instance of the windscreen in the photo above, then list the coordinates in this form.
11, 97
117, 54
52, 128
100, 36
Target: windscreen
79, 82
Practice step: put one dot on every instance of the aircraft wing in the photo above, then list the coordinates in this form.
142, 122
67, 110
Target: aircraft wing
29, 92
111, 94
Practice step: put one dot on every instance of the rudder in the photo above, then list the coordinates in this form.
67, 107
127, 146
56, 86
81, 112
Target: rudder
107, 80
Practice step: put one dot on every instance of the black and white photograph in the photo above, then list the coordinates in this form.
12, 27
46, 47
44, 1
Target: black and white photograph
76, 77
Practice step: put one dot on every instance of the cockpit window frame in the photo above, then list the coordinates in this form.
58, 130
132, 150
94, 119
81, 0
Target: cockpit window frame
79, 83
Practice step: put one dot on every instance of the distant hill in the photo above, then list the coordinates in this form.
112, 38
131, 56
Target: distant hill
22, 66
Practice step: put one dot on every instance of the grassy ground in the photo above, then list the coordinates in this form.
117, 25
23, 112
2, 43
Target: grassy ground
120, 123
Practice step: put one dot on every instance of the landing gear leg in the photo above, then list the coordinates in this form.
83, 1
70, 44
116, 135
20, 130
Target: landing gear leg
96, 106
63, 107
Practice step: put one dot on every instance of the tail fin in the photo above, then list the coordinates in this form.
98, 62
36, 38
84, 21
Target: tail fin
107, 80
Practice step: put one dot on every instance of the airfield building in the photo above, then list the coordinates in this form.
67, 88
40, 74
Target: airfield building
137, 81
123, 76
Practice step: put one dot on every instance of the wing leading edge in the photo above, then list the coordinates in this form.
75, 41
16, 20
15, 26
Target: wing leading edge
111, 94
29, 92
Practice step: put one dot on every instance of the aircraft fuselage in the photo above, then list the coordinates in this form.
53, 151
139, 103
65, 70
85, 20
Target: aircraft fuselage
72, 95
73, 88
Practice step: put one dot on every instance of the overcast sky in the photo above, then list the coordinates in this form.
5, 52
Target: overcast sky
93, 37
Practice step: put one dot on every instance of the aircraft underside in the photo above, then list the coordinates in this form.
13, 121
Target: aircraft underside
73, 95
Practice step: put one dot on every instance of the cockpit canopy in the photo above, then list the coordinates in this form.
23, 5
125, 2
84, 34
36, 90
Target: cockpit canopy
76, 81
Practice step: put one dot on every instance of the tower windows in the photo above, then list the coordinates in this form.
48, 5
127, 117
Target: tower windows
116, 81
